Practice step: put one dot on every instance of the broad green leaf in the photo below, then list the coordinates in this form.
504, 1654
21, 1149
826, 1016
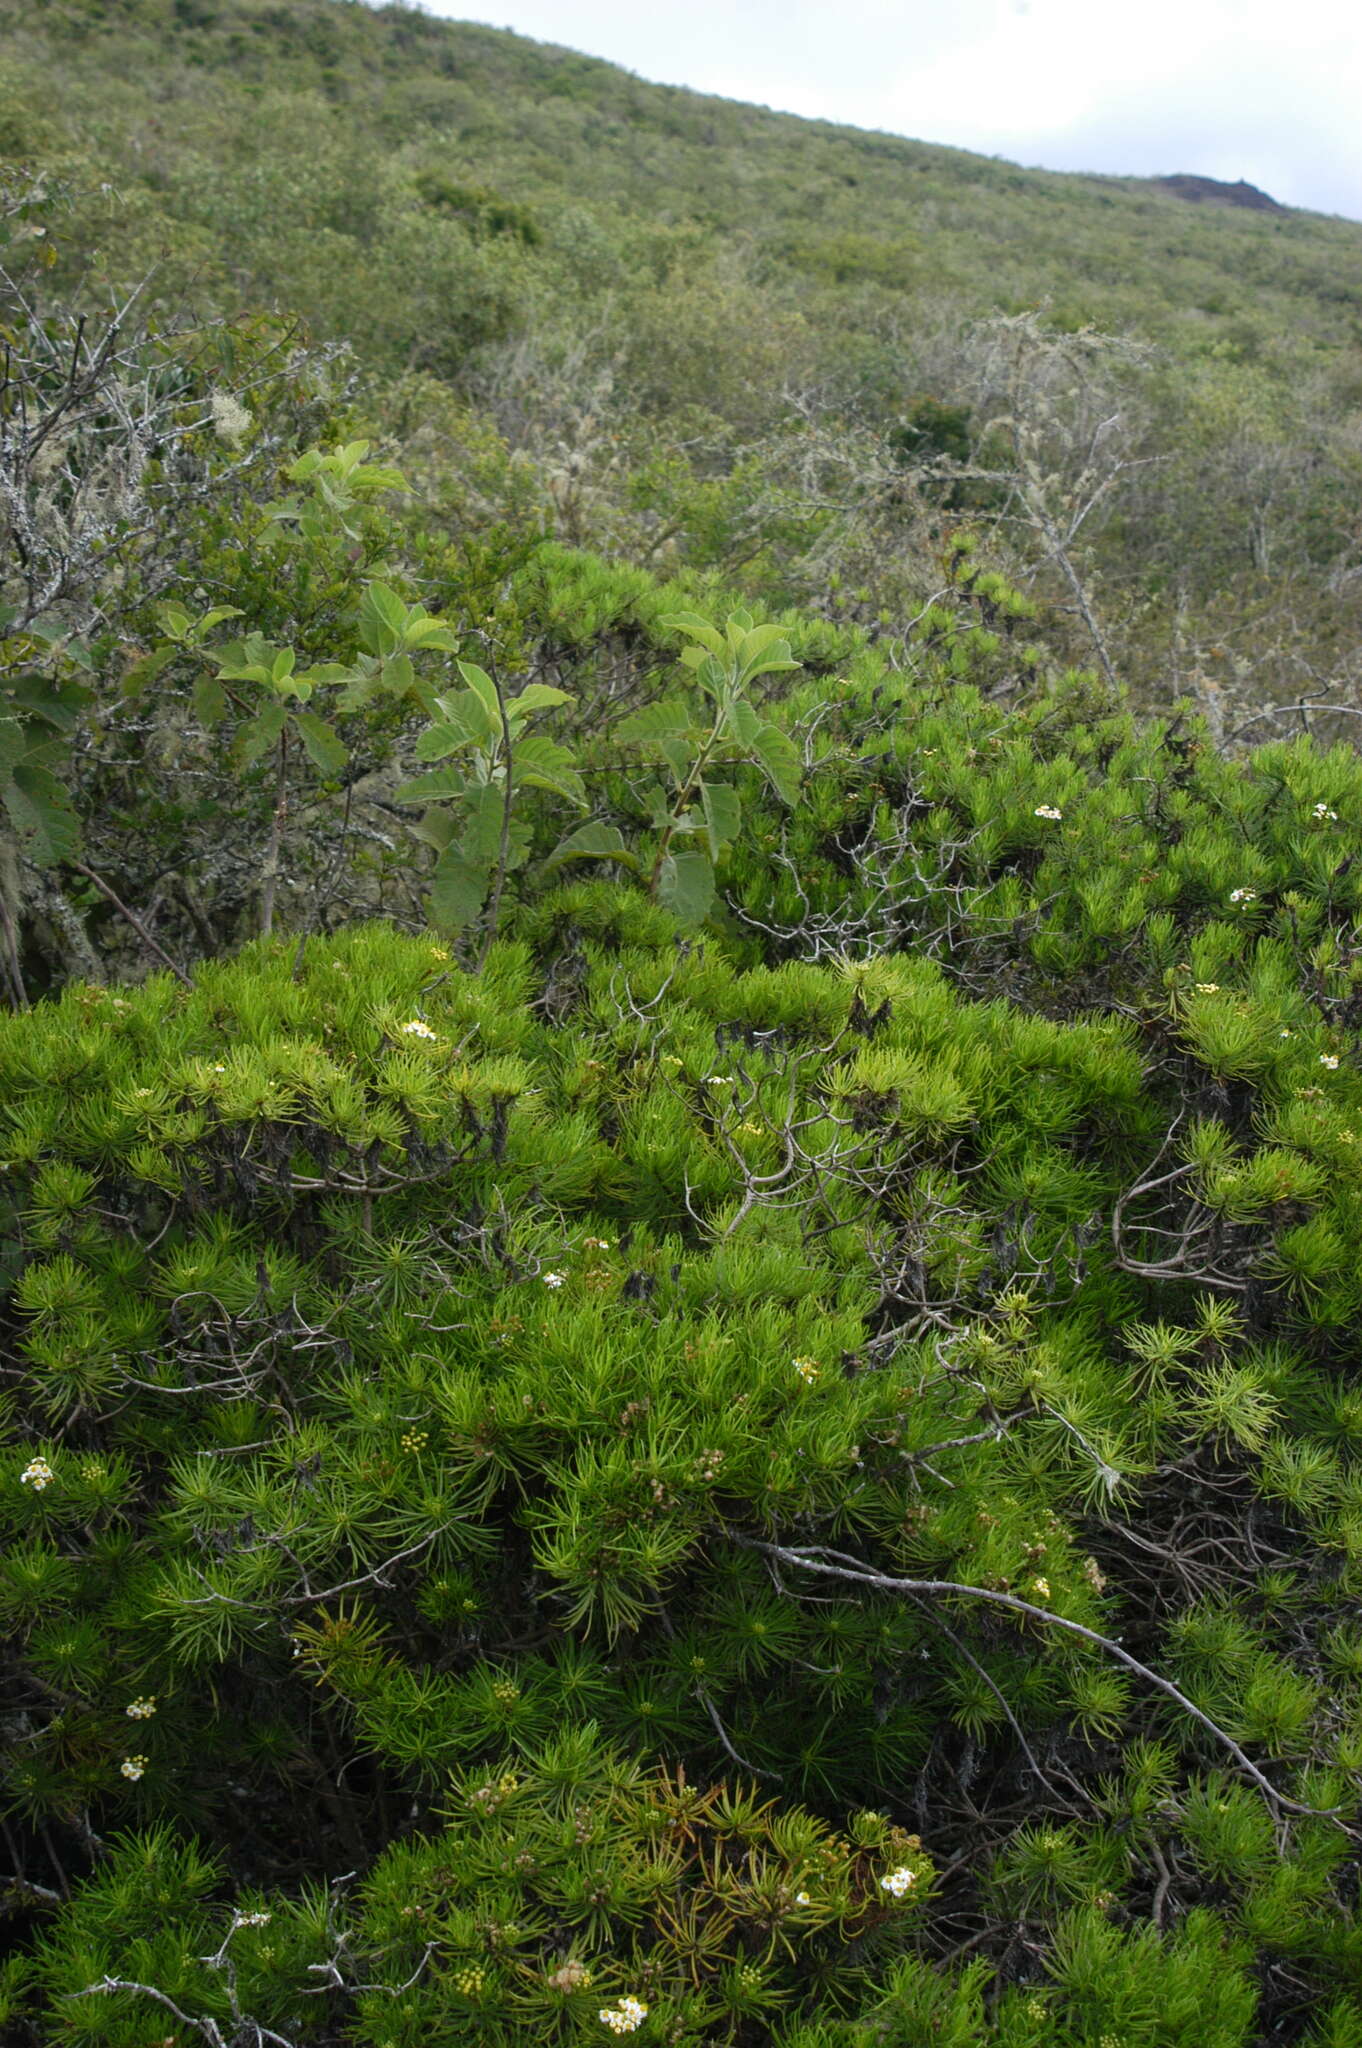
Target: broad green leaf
592, 842
215, 618
482, 686
758, 638
247, 661
723, 814
382, 619
780, 758
536, 697
457, 891
470, 710
255, 738
173, 620
422, 630
324, 749
480, 840
40, 812
543, 764
364, 683
398, 675
679, 756
699, 629
654, 799
712, 676
435, 829
439, 785
763, 651
209, 699
743, 722
463, 725
324, 673
652, 722
57, 701
686, 886
769, 665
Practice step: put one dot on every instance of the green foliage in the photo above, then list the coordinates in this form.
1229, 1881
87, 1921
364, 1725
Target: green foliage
471, 817
42, 695
762, 1450
447, 1380
725, 665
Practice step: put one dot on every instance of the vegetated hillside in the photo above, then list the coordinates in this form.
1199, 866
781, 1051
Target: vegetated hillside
714, 335
679, 1273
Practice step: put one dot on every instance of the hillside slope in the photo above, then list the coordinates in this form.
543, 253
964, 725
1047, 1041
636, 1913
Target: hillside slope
716, 335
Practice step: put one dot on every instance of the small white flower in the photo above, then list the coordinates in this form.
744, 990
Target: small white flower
254, 1919
219, 1068
1243, 895
802, 1899
1048, 811
1323, 811
133, 1767
807, 1368
141, 1709
596, 1244
898, 1881
1328, 1059
1208, 988
417, 1029
553, 1279
718, 1080
625, 2017
1286, 1034
37, 1474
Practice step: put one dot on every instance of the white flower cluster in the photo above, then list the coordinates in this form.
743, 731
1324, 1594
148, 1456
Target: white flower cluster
807, 1368
1048, 811
1323, 811
37, 1474
254, 1919
553, 1279
133, 1767
1328, 1059
415, 1028
625, 2017
142, 1708
1243, 895
898, 1881
231, 421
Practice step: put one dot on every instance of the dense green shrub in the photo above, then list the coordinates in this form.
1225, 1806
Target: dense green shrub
776, 1370
763, 1447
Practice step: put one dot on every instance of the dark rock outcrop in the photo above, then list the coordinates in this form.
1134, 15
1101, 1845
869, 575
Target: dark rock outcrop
1185, 185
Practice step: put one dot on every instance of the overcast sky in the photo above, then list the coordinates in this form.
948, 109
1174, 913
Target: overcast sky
1268, 90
